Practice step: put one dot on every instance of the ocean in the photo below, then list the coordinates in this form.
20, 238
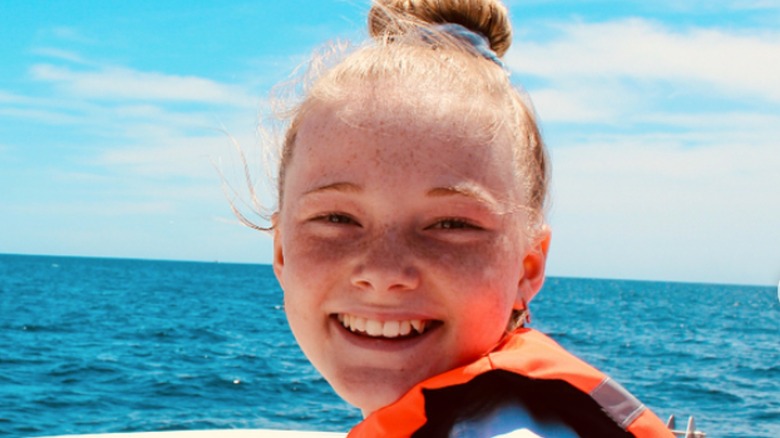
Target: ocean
90, 345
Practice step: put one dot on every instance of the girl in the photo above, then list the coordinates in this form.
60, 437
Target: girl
410, 238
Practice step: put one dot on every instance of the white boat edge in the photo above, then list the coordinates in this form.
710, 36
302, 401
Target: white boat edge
249, 433
227, 433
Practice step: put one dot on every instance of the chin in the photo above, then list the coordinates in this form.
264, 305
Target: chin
372, 403
370, 397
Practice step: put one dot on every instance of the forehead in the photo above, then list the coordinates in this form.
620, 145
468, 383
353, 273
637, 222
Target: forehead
406, 107
392, 106
439, 140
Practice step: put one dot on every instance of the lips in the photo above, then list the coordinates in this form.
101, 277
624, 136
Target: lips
383, 329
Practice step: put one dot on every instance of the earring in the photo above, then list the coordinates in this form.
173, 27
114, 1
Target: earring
525, 314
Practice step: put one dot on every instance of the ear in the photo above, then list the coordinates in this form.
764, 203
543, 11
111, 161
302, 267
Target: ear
534, 264
278, 261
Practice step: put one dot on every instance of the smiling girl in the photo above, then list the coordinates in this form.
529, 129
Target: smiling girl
410, 238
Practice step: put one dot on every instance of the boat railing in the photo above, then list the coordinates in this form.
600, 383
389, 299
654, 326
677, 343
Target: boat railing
689, 432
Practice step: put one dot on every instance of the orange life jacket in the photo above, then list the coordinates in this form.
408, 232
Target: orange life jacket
526, 353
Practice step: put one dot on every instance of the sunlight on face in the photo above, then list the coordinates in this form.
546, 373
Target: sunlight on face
396, 246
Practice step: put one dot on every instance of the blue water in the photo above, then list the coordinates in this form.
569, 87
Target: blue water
102, 345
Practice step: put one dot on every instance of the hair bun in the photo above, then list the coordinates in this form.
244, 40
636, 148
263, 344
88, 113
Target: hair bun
487, 17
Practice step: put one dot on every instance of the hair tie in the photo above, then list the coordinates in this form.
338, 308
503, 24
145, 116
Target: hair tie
475, 39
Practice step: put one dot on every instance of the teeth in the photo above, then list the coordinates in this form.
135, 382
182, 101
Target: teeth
359, 323
386, 329
405, 328
418, 325
391, 329
374, 328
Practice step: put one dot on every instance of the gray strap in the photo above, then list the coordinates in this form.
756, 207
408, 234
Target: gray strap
618, 403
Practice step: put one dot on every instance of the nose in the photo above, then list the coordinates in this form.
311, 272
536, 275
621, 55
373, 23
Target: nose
386, 265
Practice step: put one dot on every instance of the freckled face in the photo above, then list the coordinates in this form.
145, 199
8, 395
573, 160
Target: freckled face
396, 249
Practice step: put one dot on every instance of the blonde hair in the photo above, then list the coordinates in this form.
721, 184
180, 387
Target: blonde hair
486, 17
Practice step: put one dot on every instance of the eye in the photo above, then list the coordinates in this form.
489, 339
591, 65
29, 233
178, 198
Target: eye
454, 224
336, 218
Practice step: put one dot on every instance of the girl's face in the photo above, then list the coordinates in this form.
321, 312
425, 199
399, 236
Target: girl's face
398, 247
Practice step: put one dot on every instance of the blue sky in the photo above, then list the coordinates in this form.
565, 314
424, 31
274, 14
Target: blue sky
662, 118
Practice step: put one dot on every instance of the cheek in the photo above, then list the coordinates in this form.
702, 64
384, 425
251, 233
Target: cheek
310, 258
482, 284
488, 263
313, 269
308, 275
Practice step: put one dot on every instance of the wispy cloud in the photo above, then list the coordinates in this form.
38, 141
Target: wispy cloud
700, 6
40, 115
654, 207
164, 157
712, 60
113, 144
106, 208
585, 101
69, 34
63, 55
688, 6
119, 83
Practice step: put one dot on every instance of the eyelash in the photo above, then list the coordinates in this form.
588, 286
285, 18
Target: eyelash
336, 218
454, 224
442, 224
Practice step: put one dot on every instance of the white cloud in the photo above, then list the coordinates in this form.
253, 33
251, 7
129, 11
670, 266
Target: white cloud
63, 55
40, 115
135, 117
142, 154
119, 83
692, 6
648, 208
725, 62
127, 106
68, 34
763, 124
9, 98
584, 102
699, 6
105, 208
166, 157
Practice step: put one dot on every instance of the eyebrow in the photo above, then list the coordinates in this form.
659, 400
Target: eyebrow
336, 187
467, 190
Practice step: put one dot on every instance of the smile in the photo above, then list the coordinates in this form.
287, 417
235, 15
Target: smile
383, 329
